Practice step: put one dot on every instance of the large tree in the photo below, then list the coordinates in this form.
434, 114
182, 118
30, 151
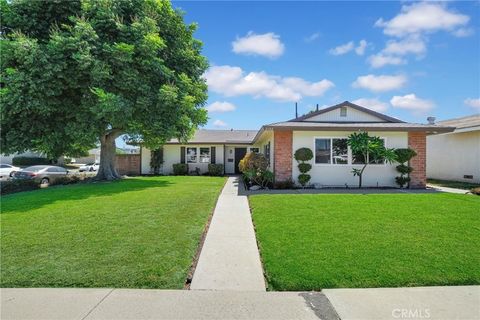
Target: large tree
79, 72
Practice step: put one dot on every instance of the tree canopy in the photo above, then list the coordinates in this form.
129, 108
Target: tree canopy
75, 73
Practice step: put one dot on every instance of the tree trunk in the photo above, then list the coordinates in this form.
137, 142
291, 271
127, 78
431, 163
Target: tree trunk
361, 175
108, 150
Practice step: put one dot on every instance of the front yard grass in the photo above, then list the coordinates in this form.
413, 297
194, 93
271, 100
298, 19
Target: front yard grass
136, 233
310, 242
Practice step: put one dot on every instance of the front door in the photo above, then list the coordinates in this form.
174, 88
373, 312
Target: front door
239, 154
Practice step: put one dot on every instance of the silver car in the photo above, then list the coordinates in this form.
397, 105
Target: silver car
42, 174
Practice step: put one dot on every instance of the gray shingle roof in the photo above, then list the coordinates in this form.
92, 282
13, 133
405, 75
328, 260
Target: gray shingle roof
372, 126
221, 136
464, 122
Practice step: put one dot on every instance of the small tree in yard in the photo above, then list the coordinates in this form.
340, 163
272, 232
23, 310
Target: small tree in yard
303, 155
80, 72
370, 149
403, 157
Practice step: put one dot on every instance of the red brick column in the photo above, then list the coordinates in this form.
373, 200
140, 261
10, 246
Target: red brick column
418, 142
282, 141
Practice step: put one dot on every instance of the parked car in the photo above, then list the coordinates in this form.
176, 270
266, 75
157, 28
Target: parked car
7, 170
89, 167
41, 174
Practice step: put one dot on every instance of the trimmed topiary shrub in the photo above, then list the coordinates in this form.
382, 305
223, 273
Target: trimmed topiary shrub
180, 169
215, 169
404, 155
302, 155
29, 161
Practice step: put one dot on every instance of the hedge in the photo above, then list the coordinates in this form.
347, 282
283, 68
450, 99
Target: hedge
29, 161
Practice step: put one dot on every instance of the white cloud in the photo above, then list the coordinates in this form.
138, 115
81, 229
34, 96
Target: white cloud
380, 83
312, 37
474, 103
463, 32
373, 104
218, 106
412, 102
233, 81
423, 17
342, 49
362, 45
268, 45
379, 60
394, 51
349, 46
413, 45
219, 123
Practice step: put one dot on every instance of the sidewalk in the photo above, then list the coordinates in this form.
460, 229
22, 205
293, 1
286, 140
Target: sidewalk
385, 303
229, 259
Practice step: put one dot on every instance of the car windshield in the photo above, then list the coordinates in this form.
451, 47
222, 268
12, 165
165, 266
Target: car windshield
90, 164
34, 168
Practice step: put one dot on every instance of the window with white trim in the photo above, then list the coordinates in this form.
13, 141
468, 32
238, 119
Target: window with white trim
191, 155
204, 155
323, 151
339, 151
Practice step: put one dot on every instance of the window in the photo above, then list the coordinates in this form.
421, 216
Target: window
191, 155
3, 166
322, 151
339, 151
256, 150
204, 155
266, 151
343, 111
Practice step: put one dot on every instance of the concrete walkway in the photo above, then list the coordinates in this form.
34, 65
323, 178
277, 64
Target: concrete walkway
462, 302
229, 259
447, 189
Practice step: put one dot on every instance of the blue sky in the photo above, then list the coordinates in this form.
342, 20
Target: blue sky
408, 60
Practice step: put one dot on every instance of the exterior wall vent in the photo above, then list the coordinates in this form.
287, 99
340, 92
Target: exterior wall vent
343, 111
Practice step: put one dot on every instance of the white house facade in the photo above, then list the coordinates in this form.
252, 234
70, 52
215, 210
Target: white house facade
324, 132
455, 155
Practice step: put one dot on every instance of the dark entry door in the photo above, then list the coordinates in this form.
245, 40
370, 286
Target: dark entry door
239, 154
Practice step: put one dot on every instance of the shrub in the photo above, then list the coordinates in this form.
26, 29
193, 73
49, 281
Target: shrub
215, 169
404, 169
67, 160
70, 179
285, 184
303, 154
253, 160
14, 186
304, 167
29, 161
180, 169
304, 178
403, 156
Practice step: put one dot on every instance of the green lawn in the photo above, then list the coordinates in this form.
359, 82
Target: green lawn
309, 242
137, 233
453, 184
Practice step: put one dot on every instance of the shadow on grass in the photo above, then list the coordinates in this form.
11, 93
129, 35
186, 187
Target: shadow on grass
30, 200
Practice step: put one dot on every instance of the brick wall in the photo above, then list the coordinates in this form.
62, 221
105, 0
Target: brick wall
128, 164
418, 141
283, 155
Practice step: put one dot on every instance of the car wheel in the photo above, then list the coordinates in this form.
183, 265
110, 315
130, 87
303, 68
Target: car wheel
45, 182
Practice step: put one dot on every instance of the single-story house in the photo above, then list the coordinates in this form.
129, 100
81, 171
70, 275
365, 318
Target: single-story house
455, 155
323, 131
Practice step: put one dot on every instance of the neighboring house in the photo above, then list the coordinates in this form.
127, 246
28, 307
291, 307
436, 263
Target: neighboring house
324, 132
456, 155
92, 157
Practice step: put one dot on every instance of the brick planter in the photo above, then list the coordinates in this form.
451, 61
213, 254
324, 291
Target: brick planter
283, 155
418, 141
